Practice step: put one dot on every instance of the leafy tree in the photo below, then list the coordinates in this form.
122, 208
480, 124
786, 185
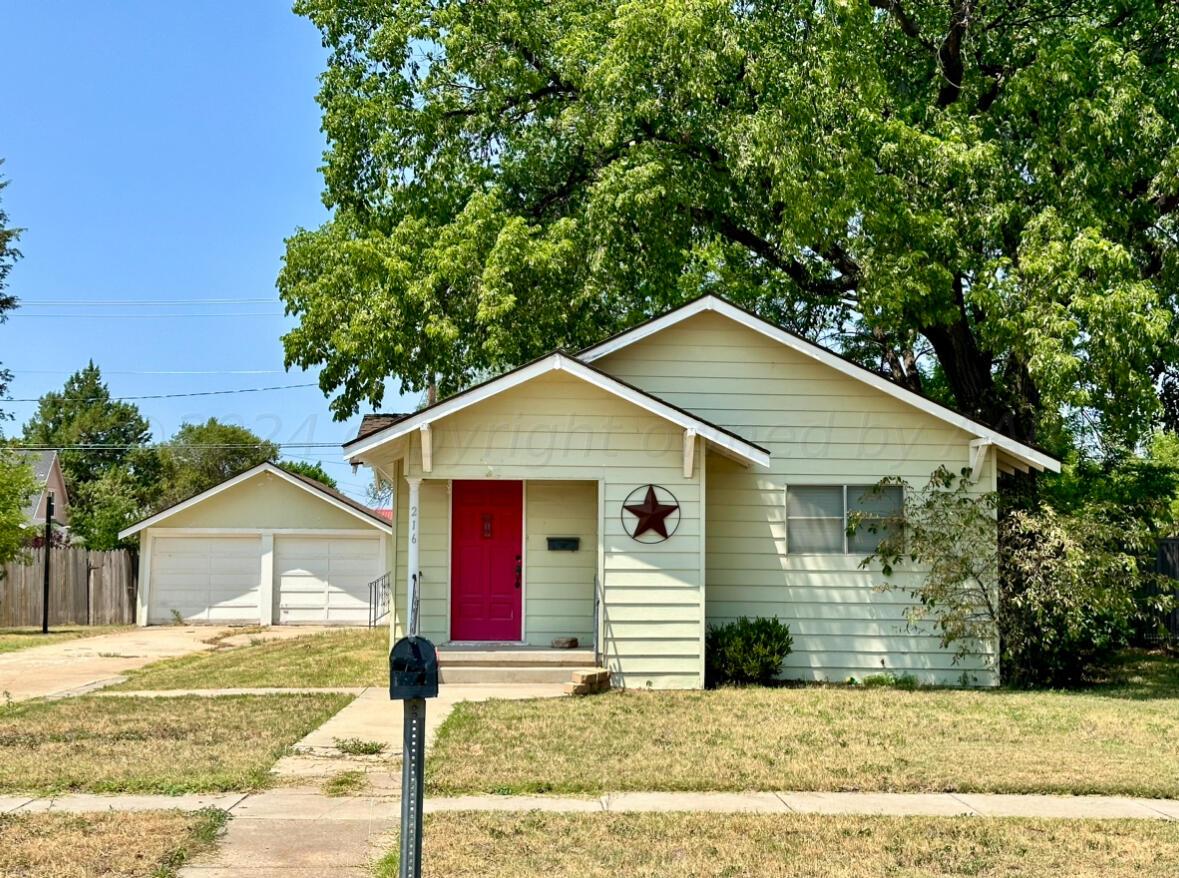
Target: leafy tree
94, 431
1164, 451
200, 456
311, 470
8, 256
1074, 594
952, 531
1061, 594
17, 485
106, 505
981, 192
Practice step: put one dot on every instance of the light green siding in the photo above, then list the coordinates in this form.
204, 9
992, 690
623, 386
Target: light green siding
559, 585
264, 501
821, 427
551, 431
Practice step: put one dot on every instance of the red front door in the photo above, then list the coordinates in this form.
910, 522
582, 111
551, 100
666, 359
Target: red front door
487, 524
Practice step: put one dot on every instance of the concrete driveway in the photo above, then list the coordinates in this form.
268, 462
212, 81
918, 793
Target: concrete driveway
78, 665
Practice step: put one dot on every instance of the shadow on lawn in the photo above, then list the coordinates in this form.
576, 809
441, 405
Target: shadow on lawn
1139, 675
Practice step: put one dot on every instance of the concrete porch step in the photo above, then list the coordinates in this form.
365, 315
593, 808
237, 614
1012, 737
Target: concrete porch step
473, 657
506, 673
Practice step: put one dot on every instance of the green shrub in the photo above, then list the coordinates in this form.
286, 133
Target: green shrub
746, 651
905, 682
1073, 595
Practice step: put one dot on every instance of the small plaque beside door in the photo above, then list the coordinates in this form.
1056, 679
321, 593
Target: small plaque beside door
564, 544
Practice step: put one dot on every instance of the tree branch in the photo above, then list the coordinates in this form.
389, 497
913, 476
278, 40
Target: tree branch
949, 56
908, 27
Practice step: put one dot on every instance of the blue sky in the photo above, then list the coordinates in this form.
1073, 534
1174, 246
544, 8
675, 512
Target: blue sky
162, 151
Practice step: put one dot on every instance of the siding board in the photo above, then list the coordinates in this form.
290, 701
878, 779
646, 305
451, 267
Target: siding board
821, 427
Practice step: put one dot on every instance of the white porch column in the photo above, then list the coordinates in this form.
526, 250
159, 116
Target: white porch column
413, 569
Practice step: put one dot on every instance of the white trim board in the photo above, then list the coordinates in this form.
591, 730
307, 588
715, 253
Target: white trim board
260, 469
745, 451
1025, 453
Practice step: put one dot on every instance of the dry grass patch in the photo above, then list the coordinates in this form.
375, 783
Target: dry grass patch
815, 739
153, 745
499, 845
350, 657
12, 639
143, 844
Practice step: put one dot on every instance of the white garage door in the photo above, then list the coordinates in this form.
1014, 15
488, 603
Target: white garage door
321, 580
205, 579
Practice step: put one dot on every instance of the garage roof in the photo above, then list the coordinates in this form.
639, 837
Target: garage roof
311, 486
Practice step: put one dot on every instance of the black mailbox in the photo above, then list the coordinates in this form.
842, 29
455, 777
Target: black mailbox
413, 669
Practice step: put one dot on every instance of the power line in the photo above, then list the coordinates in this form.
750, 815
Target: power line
111, 446
175, 395
102, 303
18, 372
18, 314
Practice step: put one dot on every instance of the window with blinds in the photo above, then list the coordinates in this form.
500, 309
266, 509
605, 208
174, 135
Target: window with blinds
817, 517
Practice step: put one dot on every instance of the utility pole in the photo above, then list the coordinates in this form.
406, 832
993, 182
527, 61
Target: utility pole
48, 555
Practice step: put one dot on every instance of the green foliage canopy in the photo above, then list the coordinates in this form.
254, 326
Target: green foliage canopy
17, 485
311, 470
94, 431
982, 190
111, 473
200, 456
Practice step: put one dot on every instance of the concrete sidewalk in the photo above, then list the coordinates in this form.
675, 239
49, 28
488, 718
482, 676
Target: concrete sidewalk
300, 806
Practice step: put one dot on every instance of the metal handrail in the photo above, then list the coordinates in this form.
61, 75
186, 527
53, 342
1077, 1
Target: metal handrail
379, 595
597, 622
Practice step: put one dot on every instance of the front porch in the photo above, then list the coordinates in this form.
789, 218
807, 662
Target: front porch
561, 504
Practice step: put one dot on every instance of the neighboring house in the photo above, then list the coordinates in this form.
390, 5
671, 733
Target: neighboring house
47, 473
695, 469
266, 546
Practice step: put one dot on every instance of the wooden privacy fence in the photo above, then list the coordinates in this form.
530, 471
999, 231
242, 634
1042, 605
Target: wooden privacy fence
85, 588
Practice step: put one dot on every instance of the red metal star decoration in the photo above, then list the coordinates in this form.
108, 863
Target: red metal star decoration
651, 513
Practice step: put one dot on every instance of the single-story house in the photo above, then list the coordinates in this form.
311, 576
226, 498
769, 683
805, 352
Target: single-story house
264, 547
694, 469
46, 466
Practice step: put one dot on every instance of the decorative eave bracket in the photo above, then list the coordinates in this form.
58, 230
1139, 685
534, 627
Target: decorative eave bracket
427, 448
689, 452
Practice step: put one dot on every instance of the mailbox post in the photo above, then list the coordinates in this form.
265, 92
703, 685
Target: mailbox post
413, 677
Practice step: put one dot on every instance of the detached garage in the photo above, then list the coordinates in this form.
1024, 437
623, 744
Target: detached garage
264, 547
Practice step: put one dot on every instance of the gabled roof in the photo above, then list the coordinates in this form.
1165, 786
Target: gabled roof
311, 486
43, 463
1033, 457
559, 361
376, 422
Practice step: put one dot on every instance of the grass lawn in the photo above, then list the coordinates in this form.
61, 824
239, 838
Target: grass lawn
498, 845
350, 657
144, 844
153, 745
12, 639
1120, 739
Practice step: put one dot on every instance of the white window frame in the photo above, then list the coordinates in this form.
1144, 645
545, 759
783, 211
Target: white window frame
789, 517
